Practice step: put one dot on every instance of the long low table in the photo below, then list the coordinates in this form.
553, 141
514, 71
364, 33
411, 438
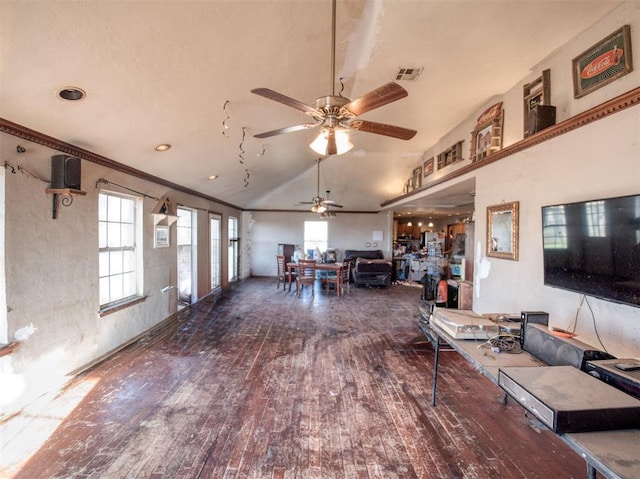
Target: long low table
615, 454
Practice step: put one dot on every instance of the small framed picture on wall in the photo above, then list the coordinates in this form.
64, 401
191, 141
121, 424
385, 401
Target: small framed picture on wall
427, 167
161, 237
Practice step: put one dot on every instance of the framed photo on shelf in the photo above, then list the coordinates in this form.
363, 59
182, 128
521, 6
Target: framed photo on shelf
604, 62
161, 238
486, 138
417, 177
427, 167
408, 186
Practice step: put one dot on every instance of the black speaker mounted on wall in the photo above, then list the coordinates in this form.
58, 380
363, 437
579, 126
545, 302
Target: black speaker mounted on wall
65, 172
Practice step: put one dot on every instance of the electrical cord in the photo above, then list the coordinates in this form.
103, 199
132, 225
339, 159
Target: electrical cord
574, 323
505, 343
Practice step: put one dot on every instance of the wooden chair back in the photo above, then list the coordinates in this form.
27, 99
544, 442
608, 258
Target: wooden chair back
343, 279
346, 271
282, 271
306, 275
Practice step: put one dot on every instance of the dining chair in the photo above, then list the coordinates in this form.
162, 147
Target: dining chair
341, 278
282, 272
306, 275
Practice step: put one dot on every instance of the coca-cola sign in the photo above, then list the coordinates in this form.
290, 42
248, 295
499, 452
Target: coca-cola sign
494, 111
603, 63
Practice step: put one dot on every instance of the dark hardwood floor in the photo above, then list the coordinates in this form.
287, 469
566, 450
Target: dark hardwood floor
263, 384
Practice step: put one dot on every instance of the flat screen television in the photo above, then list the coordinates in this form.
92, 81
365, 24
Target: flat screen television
593, 247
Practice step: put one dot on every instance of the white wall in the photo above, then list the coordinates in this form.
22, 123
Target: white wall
52, 276
596, 161
573, 167
346, 231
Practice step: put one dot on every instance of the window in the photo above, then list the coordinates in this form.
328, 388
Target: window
596, 219
316, 235
233, 249
554, 228
186, 228
215, 227
120, 251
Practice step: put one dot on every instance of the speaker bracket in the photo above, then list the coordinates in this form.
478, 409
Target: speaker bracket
62, 196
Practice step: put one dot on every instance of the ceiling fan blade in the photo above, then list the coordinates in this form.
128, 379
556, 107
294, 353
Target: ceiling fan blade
305, 203
280, 98
288, 129
387, 93
383, 129
332, 204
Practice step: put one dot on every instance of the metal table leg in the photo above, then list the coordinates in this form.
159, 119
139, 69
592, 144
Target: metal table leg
435, 370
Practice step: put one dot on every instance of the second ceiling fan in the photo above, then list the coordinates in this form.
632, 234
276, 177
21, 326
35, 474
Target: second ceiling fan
337, 114
319, 204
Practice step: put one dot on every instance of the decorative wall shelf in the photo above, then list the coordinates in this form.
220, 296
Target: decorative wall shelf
608, 108
62, 196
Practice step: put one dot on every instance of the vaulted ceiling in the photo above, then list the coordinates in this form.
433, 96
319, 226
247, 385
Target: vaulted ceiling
181, 72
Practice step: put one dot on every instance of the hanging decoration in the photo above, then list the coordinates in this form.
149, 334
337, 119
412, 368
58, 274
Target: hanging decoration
165, 212
240, 146
225, 127
241, 156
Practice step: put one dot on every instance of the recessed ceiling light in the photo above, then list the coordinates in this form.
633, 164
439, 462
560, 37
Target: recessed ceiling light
213, 177
163, 147
71, 93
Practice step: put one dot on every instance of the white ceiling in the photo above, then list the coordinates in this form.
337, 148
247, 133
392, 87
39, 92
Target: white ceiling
161, 72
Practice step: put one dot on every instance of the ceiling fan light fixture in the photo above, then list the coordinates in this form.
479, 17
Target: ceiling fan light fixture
318, 208
343, 143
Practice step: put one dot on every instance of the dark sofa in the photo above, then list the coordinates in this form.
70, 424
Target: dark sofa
369, 268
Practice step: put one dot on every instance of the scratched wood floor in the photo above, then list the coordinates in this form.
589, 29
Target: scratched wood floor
264, 385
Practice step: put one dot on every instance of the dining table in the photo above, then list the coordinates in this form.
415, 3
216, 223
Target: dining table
329, 267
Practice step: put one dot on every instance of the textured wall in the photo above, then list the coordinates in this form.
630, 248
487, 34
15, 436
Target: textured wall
52, 276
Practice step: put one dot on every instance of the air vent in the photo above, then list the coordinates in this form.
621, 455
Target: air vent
408, 74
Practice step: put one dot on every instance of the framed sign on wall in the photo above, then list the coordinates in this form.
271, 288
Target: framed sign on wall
604, 62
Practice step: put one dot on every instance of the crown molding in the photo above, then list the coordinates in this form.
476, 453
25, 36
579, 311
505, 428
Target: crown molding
33, 136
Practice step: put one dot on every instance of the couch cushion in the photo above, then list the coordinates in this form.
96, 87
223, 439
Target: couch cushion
364, 265
353, 254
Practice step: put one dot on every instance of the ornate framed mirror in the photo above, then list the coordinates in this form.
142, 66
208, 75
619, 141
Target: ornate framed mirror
502, 231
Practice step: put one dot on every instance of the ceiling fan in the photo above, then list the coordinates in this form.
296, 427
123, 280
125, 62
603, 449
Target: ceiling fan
319, 204
329, 213
337, 114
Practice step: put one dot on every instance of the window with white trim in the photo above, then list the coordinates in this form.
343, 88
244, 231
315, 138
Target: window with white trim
120, 248
215, 249
234, 249
316, 234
